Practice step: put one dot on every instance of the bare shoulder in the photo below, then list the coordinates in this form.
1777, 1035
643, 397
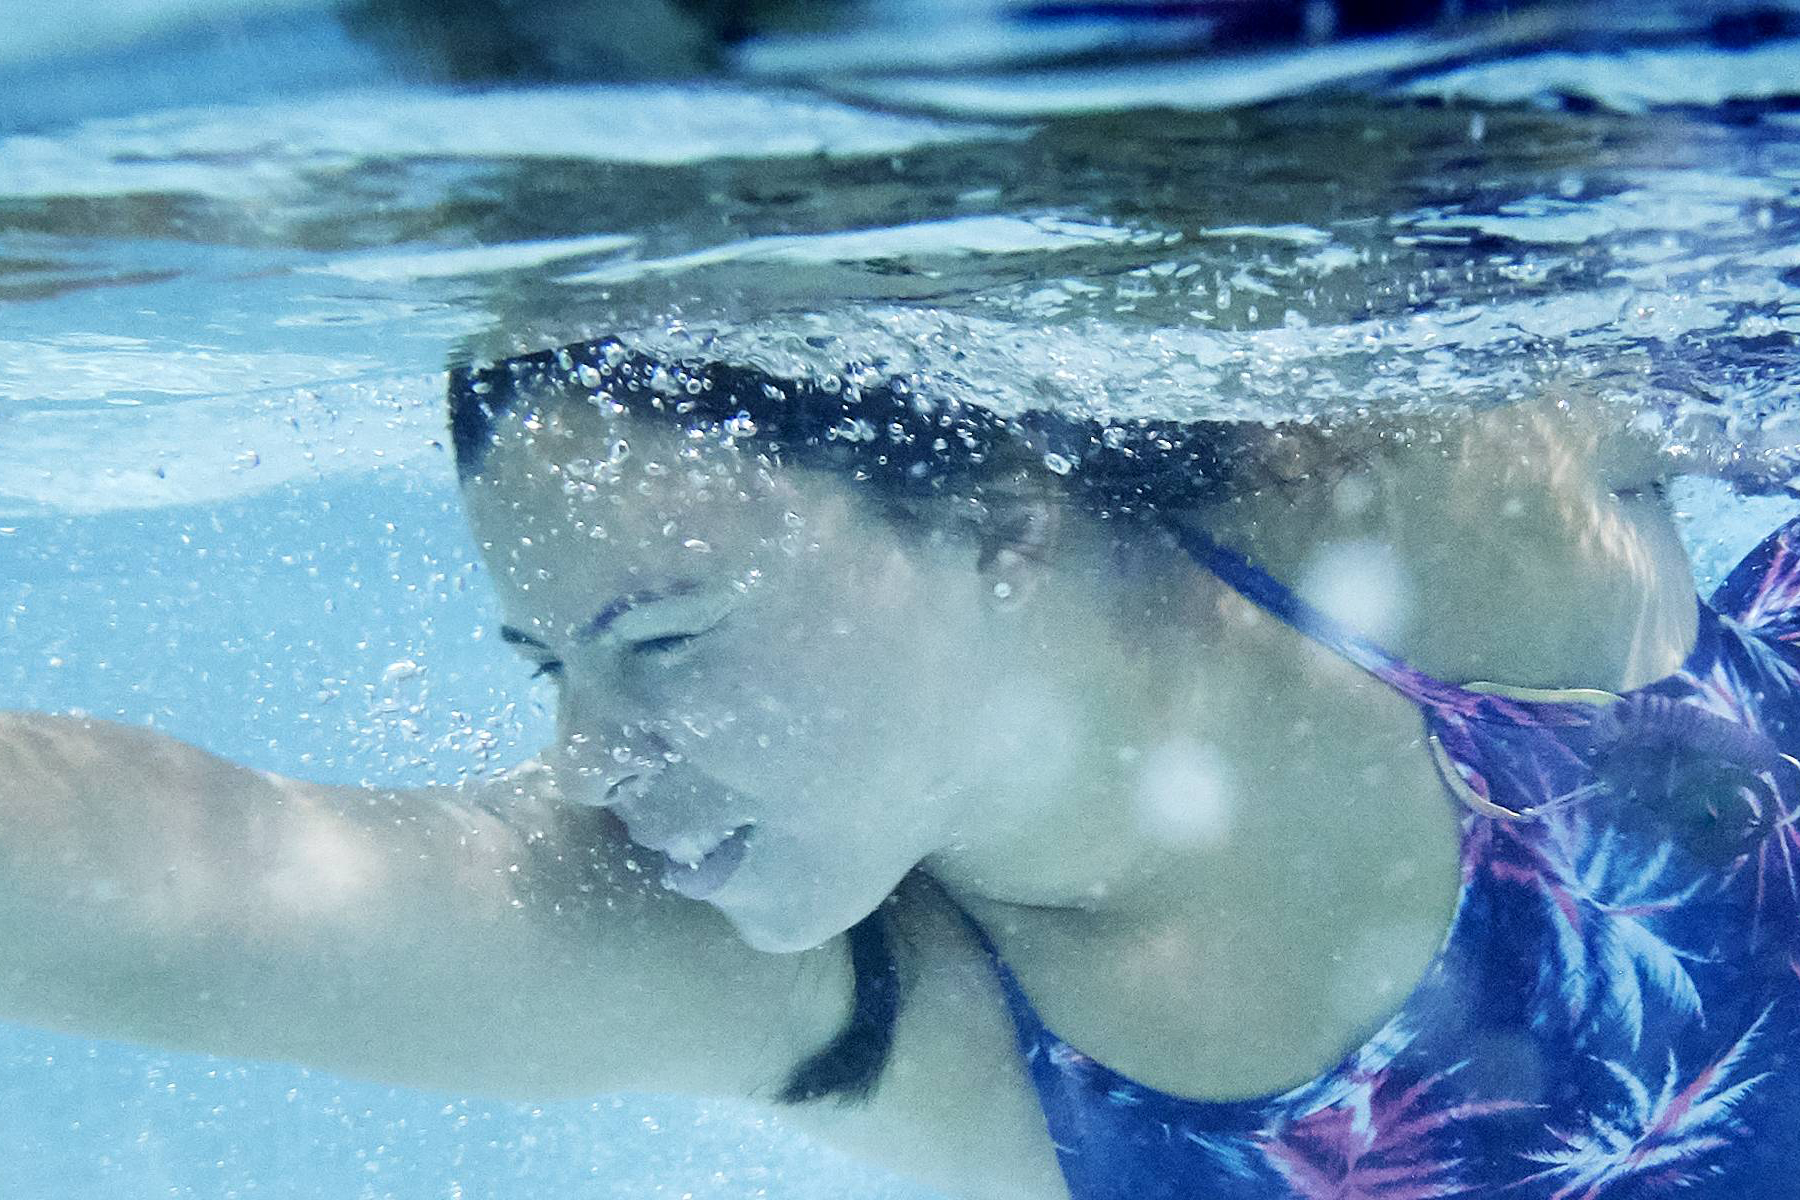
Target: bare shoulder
598, 979
955, 1107
1525, 544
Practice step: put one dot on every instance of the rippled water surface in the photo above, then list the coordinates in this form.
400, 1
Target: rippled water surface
226, 505
263, 267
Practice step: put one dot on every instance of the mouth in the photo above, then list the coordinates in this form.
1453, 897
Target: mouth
710, 872
670, 813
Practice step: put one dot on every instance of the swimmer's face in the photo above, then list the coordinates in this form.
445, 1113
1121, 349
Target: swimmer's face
761, 648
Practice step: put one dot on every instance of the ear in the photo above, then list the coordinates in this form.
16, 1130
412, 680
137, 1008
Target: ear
1015, 552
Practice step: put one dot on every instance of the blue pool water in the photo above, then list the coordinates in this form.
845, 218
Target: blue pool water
227, 510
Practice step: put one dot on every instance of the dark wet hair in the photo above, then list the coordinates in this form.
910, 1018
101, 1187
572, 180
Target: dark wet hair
902, 437
849, 1066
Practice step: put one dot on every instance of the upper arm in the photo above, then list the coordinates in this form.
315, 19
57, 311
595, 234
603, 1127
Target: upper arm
479, 940
483, 940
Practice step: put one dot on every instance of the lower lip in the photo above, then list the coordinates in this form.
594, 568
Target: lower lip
706, 877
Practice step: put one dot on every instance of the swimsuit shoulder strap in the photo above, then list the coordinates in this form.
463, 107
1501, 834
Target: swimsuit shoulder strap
1278, 600
1027, 1025
1485, 739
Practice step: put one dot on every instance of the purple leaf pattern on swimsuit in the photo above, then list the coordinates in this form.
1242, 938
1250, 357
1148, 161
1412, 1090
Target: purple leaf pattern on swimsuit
1380, 1142
1612, 1014
1663, 1139
1763, 592
1614, 909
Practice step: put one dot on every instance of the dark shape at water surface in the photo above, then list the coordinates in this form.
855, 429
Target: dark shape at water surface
573, 40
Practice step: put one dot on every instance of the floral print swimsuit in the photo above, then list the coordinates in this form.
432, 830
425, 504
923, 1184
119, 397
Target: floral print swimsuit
1614, 1011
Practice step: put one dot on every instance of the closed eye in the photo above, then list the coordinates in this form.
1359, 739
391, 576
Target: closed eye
667, 647
512, 635
657, 617
664, 630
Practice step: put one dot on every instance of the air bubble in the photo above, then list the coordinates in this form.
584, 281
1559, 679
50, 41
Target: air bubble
406, 668
1186, 794
853, 429
1057, 464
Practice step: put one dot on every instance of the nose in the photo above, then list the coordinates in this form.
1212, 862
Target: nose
601, 757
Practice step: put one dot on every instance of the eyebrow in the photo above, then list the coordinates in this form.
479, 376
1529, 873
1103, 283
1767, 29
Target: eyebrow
603, 620
512, 635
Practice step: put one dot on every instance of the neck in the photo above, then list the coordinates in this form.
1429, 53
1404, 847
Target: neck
1225, 723
1249, 937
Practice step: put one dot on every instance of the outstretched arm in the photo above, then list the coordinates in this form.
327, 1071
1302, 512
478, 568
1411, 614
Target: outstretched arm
489, 941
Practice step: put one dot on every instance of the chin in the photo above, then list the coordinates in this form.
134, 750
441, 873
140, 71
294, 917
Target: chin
790, 897
795, 921
779, 941
782, 932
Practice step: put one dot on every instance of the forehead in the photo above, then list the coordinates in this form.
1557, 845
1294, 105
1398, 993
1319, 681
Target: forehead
574, 504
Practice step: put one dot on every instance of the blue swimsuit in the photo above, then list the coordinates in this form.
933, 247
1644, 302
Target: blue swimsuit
1615, 1010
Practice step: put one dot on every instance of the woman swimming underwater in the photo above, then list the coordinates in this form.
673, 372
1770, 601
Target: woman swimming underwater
1038, 807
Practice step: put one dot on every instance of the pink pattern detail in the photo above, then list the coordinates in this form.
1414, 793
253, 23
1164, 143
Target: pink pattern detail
1664, 1140
1377, 1142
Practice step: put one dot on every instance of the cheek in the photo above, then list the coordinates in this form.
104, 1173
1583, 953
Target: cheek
833, 704
1035, 724
772, 702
